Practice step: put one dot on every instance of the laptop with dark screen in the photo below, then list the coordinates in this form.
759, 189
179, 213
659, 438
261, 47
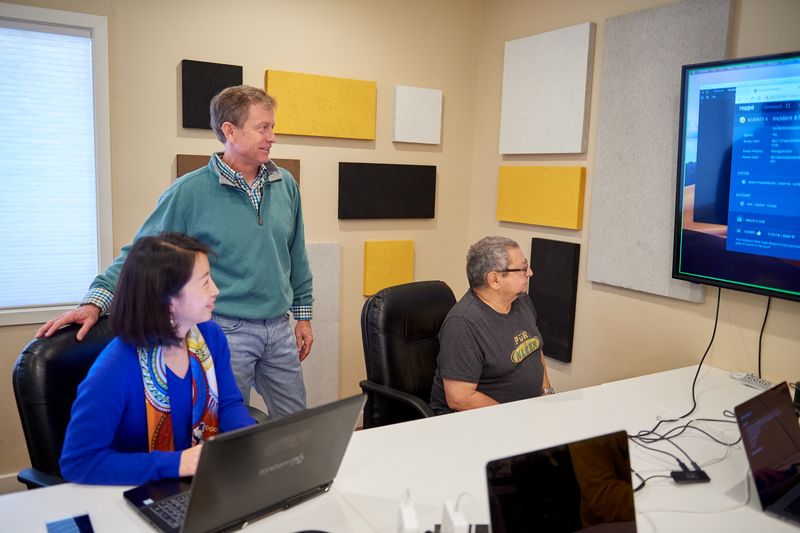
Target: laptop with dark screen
582, 485
246, 474
771, 437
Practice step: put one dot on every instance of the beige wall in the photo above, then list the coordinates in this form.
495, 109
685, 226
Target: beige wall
621, 333
453, 45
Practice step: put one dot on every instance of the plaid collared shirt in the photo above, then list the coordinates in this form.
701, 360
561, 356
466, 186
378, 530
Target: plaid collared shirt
254, 192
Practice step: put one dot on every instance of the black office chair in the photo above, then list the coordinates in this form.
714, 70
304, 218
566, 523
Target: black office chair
399, 329
45, 379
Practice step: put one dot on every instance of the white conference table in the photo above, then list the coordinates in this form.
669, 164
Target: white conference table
440, 458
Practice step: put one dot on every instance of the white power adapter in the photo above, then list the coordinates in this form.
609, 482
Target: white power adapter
407, 521
453, 521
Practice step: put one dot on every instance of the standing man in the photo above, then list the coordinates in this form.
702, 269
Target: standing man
490, 348
247, 210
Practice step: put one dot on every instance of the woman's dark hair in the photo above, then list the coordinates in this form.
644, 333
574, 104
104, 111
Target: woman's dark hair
155, 270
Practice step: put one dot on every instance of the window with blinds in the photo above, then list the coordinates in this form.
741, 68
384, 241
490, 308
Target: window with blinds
54, 209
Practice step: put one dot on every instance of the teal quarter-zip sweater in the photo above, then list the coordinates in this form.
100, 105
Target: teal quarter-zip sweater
259, 260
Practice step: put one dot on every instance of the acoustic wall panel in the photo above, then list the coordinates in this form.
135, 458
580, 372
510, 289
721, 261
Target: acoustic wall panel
321, 367
387, 263
633, 185
186, 163
546, 196
200, 82
374, 190
417, 115
547, 80
323, 106
553, 289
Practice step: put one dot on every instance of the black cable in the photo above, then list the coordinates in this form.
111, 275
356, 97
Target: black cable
761, 335
650, 437
689, 425
651, 440
633, 439
646, 479
697, 373
713, 334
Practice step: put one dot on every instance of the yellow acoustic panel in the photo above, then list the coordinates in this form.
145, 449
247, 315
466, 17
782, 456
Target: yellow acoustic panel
322, 106
546, 196
387, 263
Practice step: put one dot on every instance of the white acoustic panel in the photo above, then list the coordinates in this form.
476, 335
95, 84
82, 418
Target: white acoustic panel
633, 186
417, 115
321, 367
547, 79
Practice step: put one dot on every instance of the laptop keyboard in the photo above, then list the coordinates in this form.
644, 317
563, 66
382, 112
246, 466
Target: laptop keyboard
172, 510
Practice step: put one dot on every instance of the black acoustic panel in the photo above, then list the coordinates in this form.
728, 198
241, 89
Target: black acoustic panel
553, 289
201, 81
371, 190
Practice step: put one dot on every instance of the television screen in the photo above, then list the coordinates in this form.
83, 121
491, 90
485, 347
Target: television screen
737, 216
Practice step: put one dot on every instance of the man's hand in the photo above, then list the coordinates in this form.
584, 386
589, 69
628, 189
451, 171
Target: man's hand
302, 332
86, 315
189, 459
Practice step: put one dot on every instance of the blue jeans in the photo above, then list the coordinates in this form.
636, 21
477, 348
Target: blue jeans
264, 355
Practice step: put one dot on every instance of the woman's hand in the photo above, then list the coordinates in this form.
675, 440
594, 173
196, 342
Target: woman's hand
189, 459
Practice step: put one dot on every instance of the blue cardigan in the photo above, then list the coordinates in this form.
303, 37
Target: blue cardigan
106, 441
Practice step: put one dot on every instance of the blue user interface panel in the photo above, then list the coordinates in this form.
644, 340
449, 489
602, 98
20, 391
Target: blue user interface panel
764, 197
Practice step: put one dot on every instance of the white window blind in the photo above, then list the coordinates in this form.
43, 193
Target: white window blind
50, 220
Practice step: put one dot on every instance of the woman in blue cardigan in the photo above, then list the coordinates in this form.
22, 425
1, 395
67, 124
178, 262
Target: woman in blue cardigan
164, 385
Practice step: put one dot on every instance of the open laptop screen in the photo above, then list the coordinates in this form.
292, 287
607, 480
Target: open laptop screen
569, 487
771, 438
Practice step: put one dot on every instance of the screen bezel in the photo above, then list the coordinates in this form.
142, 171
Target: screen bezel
679, 196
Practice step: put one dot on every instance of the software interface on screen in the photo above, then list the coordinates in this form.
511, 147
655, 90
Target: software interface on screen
741, 161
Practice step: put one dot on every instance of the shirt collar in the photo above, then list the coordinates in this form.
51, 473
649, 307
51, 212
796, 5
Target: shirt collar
267, 172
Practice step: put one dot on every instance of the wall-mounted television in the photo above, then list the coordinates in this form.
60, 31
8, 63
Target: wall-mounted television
737, 209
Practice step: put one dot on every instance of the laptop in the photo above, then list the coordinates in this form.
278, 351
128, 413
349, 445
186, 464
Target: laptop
582, 485
771, 437
249, 473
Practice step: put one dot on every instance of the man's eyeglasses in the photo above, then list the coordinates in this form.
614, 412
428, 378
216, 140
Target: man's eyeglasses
523, 269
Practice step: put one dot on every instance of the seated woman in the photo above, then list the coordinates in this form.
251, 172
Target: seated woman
164, 385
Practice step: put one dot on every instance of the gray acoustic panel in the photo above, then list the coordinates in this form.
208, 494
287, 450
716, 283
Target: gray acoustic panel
321, 367
633, 186
547, 81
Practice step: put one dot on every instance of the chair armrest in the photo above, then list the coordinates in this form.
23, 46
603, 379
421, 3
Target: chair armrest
412, 401
259, 415
35, 479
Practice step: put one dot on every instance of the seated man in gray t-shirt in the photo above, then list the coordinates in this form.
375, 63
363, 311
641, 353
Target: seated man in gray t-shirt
490, 348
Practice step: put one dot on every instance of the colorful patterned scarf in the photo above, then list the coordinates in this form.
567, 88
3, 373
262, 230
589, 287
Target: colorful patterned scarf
205, 399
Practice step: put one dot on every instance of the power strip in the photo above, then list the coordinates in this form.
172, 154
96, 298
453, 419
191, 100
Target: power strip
751, 380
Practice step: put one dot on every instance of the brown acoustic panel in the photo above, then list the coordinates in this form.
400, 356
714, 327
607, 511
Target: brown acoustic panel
187, 163
553, 289
200, 82
292, 165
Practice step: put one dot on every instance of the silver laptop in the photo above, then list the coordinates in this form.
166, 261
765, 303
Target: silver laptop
582, 485
246, 474
771, 437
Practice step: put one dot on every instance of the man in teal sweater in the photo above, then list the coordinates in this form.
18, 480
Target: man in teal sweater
248, 211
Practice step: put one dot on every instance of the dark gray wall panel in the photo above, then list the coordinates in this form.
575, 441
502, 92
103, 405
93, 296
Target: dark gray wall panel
375, 190
200, 81
554, 289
